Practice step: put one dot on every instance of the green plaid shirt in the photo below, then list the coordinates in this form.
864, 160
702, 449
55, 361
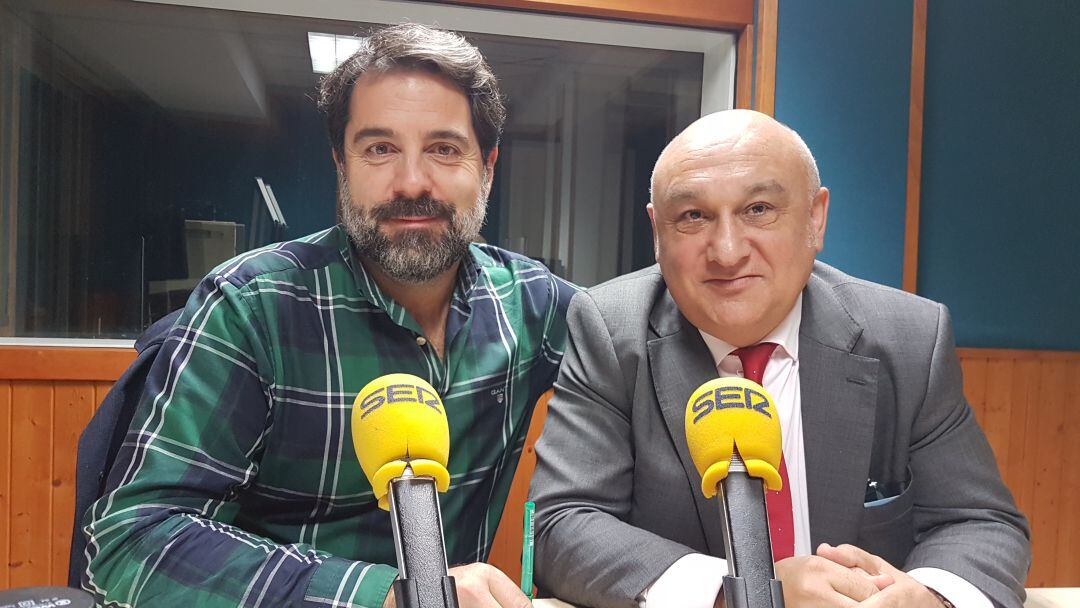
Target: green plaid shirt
237, 483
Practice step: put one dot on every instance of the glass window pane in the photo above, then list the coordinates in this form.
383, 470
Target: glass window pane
142, 144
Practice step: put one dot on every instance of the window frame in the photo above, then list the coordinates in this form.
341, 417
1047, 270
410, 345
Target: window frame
718, 48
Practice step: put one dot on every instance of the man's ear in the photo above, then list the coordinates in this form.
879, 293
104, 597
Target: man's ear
819, 217
489, 166
655, 237
337, 160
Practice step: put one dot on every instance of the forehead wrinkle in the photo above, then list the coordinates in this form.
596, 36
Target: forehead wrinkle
742, 139
678, 160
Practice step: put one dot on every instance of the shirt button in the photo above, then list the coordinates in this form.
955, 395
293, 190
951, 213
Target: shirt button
421, 340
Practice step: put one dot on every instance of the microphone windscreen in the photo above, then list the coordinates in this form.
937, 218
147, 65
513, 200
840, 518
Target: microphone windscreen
399, 420
728, 413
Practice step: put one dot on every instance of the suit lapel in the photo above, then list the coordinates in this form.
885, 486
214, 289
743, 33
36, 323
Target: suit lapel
839, 396
680, 362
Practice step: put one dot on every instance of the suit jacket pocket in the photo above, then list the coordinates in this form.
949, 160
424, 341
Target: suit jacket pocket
887, 529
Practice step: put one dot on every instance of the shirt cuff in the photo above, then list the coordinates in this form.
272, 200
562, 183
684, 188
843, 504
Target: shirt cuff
961, 593
693, 581
344, 583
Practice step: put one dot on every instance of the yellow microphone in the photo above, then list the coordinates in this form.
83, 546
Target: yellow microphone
729, 413
733, 434
402, 441
398, 420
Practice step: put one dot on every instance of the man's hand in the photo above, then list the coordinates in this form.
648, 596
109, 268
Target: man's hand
480, 586
811, 581
904, 592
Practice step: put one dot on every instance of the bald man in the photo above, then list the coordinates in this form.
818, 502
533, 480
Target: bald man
895, 498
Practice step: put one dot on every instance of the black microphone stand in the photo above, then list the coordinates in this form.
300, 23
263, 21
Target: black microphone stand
423, 580
747, 542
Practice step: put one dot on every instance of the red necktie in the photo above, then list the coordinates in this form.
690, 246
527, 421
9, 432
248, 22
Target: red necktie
781, 519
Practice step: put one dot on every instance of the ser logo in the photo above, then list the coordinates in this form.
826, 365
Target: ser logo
729, 397
398, 393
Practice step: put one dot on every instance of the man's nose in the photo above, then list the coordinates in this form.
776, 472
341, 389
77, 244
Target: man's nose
728, 245
411, 178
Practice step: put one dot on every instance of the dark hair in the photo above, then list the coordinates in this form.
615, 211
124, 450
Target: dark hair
410, 46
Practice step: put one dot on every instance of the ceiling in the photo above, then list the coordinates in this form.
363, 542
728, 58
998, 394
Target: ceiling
194, 60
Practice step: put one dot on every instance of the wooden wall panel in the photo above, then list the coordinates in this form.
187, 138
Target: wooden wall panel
975, 385
40, 424
708, 14
1067, 566
744, 69
765, 61
100, 390
63, 363
1027, 403
73, 406
506, 546
1022, 441
5, 479
1043, 511
996, 412
914, 158
31, 496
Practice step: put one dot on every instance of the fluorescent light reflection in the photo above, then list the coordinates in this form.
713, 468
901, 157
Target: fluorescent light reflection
329, 50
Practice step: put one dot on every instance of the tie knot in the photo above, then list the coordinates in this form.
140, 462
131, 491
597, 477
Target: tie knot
754, 358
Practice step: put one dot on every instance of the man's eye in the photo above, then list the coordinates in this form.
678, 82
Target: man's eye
693, 215
445, 150
758, 209
379, 149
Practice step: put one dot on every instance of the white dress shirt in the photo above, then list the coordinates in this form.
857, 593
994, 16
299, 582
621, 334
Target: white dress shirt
694, 580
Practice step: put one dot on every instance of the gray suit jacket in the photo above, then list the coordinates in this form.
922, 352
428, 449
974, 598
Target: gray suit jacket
617, 494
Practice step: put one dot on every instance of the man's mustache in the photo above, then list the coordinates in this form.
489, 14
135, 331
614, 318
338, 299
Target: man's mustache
412, 207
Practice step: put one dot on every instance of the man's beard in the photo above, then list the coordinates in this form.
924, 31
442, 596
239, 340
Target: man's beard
414, 255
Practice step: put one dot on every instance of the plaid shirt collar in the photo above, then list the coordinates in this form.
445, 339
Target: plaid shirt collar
469, 276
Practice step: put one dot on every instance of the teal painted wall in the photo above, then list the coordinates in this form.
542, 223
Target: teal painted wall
843, 72
1001, 171
1000, 225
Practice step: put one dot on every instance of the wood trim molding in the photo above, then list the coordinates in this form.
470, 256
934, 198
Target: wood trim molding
914, 160
744, 69
1009, 353
707, 14
63, 363
765, 62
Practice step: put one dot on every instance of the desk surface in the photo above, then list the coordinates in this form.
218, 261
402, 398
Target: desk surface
1064, 597
1061, 597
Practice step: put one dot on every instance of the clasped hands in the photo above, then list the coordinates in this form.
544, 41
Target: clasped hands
845, 576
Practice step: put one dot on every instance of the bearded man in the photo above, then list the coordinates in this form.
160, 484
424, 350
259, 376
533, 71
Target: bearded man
238, 483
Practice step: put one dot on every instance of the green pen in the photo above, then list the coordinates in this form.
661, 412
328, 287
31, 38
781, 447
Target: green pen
527, 537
